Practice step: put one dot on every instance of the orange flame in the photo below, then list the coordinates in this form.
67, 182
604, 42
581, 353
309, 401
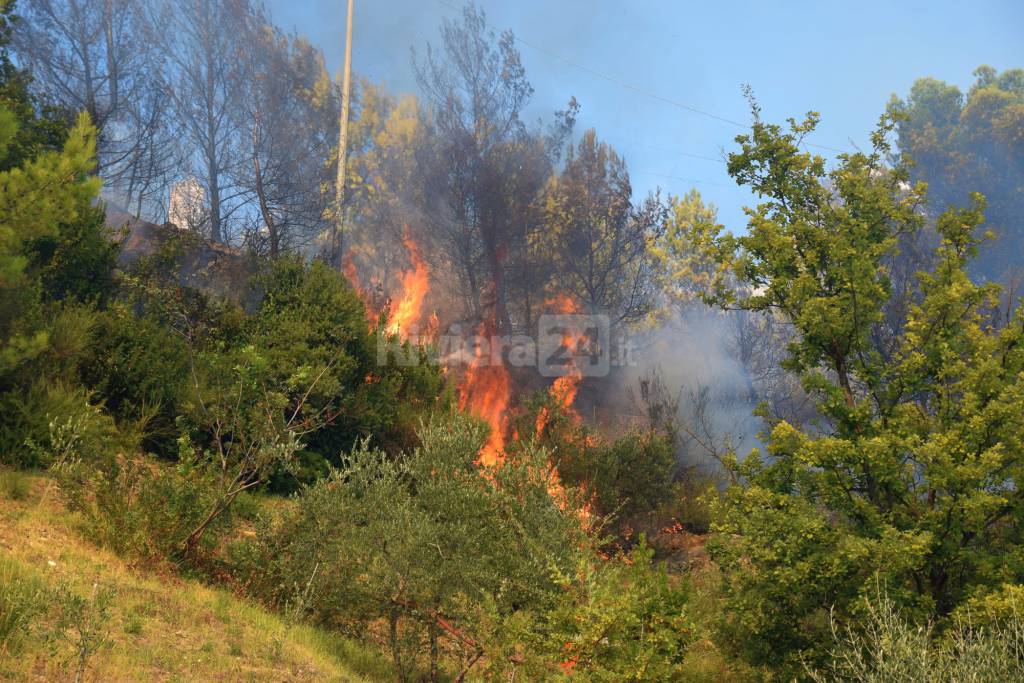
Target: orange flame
563, 390
352, 273
485, 392
406, 308
415, 285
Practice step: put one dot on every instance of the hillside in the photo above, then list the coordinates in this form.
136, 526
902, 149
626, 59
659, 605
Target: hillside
157, 627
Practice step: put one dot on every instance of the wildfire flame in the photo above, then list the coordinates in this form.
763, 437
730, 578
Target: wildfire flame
563, 390
407, 309
485, 392
406, 306
352, 273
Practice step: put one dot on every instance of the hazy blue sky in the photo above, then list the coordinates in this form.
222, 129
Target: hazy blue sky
843, 59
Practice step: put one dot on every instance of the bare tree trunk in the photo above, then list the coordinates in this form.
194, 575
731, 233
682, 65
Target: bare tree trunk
112, 66
261, 196
83, 48
432, 634
396, 653
215, 228
495, 264
212, 160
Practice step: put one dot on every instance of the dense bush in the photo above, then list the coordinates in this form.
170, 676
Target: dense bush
408, 541
312, 328
141, 509
23, 597
885, 646
474, 568
141, 372
624, 476
52, 422
77, 262
632, 474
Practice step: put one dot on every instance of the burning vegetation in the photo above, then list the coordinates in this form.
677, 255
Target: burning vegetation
429, 371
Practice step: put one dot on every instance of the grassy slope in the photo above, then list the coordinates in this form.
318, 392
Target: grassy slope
159, 628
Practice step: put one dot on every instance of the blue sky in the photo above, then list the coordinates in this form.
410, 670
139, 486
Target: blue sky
842, 59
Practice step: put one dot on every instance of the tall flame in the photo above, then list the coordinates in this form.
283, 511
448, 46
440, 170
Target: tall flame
407, 308
485, 392
563, 390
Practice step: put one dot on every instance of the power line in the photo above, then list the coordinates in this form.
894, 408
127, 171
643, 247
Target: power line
675, 152
630, 86
682, 180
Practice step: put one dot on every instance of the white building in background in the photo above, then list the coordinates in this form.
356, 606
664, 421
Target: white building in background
187, 206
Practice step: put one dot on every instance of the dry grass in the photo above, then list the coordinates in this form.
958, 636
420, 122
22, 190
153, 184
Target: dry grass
158, 628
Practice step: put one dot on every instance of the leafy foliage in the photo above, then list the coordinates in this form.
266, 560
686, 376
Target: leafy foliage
141, 373
311, 327
22, 599
961, 143
595, 237
886, 647
912, 474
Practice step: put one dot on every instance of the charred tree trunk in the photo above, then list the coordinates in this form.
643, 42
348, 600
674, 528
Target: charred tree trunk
268, 218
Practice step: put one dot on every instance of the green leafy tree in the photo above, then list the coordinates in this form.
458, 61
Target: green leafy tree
42, 127
35, 198
971, 142
384, 191
428, 545
595, 238
52, 246
912, 471
483, 573
484, 169
680, 251
311, 325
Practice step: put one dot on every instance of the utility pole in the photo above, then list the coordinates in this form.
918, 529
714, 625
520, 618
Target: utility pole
339, 188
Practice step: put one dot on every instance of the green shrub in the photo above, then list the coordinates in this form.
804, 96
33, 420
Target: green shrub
307, 468
884, 646
84, 624
71, 332
690, 501
15, 485
45, 386
399, 541
138, 507
621, 620
77, 262
52, 422
407, 544
632, 474
140, 370
310, 324
23, 597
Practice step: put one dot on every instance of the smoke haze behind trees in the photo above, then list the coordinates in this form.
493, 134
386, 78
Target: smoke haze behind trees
694, 53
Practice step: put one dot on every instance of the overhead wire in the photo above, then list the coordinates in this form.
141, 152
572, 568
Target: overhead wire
631, 86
